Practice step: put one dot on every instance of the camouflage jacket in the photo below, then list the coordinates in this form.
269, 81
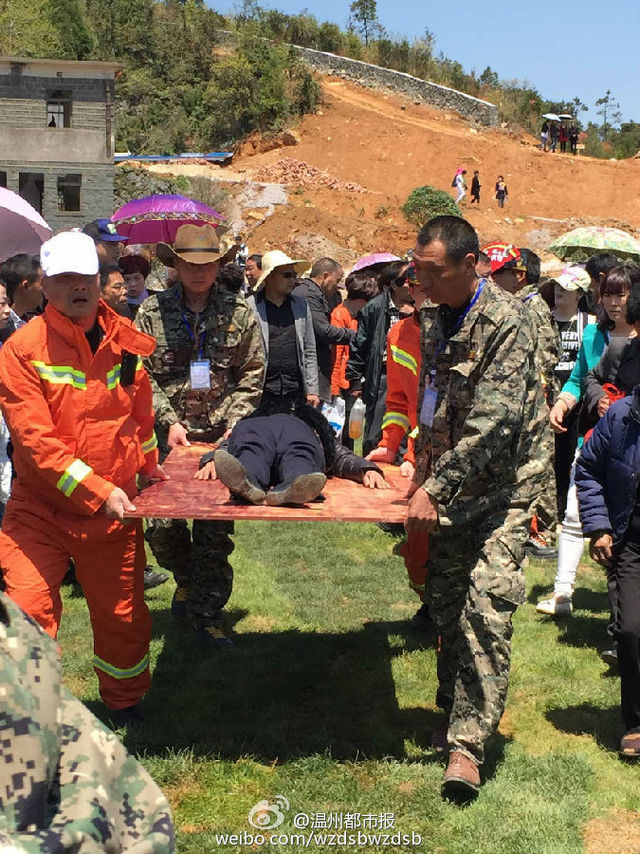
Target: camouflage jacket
488, 446
547, 340
228, 335
67, 783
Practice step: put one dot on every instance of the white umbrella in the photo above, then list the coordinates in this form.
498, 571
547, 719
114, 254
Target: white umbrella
552, 117
565, 116
22, 229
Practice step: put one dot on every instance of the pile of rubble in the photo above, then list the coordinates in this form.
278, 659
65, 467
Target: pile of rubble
290, 171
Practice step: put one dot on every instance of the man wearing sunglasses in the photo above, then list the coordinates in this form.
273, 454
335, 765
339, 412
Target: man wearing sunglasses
287, 335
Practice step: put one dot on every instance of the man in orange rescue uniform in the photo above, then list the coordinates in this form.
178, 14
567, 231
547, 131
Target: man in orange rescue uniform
400, 420
78, 405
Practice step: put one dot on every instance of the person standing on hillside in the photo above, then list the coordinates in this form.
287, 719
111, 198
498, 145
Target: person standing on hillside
502, 193
206, 373
573, 139
544, 136
563, 137
475, 187
461, 185
480, 465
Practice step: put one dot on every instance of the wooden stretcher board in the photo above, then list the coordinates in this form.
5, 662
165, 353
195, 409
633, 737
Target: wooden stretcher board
182, 497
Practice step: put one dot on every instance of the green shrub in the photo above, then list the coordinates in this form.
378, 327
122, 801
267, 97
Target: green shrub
427, 202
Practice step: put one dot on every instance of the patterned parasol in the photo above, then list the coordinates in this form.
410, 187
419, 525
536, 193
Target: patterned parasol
155, 219
581, 243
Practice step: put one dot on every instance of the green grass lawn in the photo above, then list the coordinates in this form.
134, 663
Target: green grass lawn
327, 698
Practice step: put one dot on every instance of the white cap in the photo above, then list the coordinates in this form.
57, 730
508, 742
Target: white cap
69, 252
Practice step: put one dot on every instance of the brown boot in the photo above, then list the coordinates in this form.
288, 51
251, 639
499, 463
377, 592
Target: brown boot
461, 781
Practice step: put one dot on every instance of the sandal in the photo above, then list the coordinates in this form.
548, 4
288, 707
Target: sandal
630, 745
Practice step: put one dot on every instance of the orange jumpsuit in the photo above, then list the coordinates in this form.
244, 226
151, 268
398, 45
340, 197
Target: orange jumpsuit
341, 316
80, 423
401, 417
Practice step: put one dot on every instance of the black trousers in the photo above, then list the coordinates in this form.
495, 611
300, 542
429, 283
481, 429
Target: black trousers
275, 449
626, 571
373, 417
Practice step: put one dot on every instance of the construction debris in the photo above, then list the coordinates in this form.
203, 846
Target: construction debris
290, 171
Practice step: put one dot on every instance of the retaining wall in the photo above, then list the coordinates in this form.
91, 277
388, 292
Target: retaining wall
377, 77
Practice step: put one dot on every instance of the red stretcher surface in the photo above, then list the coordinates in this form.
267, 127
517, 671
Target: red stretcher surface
182, 497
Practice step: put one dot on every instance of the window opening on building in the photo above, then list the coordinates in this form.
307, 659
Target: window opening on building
31, 188
69, 192
58, 109
3, 179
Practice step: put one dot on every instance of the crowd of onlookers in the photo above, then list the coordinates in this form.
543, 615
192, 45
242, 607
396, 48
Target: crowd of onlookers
329, 339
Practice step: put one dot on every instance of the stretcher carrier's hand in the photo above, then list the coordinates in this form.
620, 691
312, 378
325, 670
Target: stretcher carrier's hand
117, 504
381, 455
422, 514
177, 436
146, 479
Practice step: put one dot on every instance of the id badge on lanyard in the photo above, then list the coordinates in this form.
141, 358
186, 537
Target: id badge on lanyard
200, 374
429, 401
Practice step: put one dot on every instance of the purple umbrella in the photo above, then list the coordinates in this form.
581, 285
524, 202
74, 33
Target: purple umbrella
22, 229
155, 219
375, 260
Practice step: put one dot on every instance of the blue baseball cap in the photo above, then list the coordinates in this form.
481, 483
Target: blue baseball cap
103, 231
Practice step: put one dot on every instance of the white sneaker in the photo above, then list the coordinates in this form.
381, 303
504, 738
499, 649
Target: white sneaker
560, 607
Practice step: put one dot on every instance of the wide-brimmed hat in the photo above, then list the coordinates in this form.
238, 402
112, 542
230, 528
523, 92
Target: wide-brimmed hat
198, 244
573, 279
277, 258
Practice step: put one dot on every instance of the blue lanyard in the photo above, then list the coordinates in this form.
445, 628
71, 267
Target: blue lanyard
193, 337
442, 345
191, 333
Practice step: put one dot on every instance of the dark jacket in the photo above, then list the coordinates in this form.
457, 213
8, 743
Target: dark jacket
365, 363
608, 468
326, 334
620, 366
339, 461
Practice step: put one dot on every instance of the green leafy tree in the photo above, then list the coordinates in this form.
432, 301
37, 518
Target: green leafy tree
69, 19
26, 29
489, 78
364, 18
426, 202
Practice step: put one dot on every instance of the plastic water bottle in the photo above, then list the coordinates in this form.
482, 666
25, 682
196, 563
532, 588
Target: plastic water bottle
356, 420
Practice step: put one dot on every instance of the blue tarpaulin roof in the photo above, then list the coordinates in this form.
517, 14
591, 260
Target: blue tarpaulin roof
213, 156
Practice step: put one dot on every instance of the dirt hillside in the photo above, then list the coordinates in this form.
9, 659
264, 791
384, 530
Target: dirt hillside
384, 146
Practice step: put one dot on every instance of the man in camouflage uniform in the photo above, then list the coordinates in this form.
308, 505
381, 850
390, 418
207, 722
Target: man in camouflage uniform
67, 783
480, 466
206, 373
517, 271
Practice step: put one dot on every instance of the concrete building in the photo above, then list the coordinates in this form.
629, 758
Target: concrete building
57, 136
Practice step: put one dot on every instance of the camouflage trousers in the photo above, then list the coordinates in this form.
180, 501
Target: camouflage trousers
199, 563
474, 584
68, 784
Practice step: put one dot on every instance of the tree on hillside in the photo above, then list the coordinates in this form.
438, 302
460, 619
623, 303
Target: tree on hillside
489, 78
610, 112
364, 18
69, 19
26, 29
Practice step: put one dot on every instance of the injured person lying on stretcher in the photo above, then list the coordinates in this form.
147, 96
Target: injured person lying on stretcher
285, 459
